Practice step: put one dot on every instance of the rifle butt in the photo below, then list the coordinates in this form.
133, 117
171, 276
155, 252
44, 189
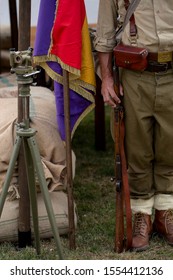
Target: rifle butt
119, 229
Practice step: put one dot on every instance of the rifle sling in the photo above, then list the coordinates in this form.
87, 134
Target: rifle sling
125, 188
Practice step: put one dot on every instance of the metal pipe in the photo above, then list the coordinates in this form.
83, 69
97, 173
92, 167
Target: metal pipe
24, 237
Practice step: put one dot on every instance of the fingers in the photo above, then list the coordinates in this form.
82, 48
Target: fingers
111, 98
111, 92
109, 95
121, 90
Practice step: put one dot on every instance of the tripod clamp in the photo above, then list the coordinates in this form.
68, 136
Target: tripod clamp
21, 65
21, 62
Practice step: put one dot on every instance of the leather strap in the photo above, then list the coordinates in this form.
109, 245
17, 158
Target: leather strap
155, 56
133, 29
126, 188
159, 62
130, 7
158, 67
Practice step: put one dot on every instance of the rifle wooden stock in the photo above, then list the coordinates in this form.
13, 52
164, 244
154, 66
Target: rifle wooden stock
123, 236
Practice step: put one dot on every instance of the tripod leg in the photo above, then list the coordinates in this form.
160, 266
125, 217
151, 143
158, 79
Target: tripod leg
32, 193
10, 171
40, 173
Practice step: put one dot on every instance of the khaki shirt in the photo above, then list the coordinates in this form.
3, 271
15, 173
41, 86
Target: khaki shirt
154, 21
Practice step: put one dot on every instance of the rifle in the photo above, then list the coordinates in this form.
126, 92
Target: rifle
123, 236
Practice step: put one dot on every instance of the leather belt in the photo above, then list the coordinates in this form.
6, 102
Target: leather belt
160, 57
158, 67
159, 62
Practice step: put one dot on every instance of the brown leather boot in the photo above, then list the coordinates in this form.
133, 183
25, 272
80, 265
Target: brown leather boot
142, 230
163, 224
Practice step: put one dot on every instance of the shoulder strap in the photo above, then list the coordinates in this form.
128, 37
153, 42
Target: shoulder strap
130, 7
130, 10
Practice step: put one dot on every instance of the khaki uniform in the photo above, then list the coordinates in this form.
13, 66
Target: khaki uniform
148, 101
154, 20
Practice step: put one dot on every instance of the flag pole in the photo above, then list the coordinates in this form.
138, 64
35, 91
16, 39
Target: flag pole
24, 227
69, 159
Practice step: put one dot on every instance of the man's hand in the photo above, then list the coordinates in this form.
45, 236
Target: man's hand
110, 92
108, 89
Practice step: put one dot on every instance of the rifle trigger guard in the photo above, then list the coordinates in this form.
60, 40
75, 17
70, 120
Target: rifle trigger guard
118, 186
119, 112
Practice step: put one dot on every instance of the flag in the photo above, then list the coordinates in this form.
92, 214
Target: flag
63, 42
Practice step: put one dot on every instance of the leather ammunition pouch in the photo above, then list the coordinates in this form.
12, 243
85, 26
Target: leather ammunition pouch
130, 57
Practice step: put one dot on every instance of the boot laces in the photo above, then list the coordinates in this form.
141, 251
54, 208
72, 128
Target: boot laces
139, 224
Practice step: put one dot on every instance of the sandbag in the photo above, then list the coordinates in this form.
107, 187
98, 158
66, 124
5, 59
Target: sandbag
10, 214
53, 157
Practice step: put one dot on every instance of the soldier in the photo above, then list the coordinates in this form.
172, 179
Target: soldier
148, 102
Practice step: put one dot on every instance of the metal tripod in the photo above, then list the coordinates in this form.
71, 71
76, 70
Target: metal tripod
20, 62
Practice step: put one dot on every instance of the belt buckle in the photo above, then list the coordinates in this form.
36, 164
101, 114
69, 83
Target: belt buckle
166, 68
164, 57
162, 68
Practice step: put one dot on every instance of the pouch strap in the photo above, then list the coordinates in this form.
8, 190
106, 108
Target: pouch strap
133, 30
130, 8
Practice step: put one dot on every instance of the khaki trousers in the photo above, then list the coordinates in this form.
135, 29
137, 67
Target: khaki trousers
148, 102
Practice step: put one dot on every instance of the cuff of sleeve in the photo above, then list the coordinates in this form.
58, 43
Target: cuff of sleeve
104, 45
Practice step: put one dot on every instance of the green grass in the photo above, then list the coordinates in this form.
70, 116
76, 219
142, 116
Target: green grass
94, 195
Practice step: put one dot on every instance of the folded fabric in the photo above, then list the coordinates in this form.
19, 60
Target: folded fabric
43, 119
